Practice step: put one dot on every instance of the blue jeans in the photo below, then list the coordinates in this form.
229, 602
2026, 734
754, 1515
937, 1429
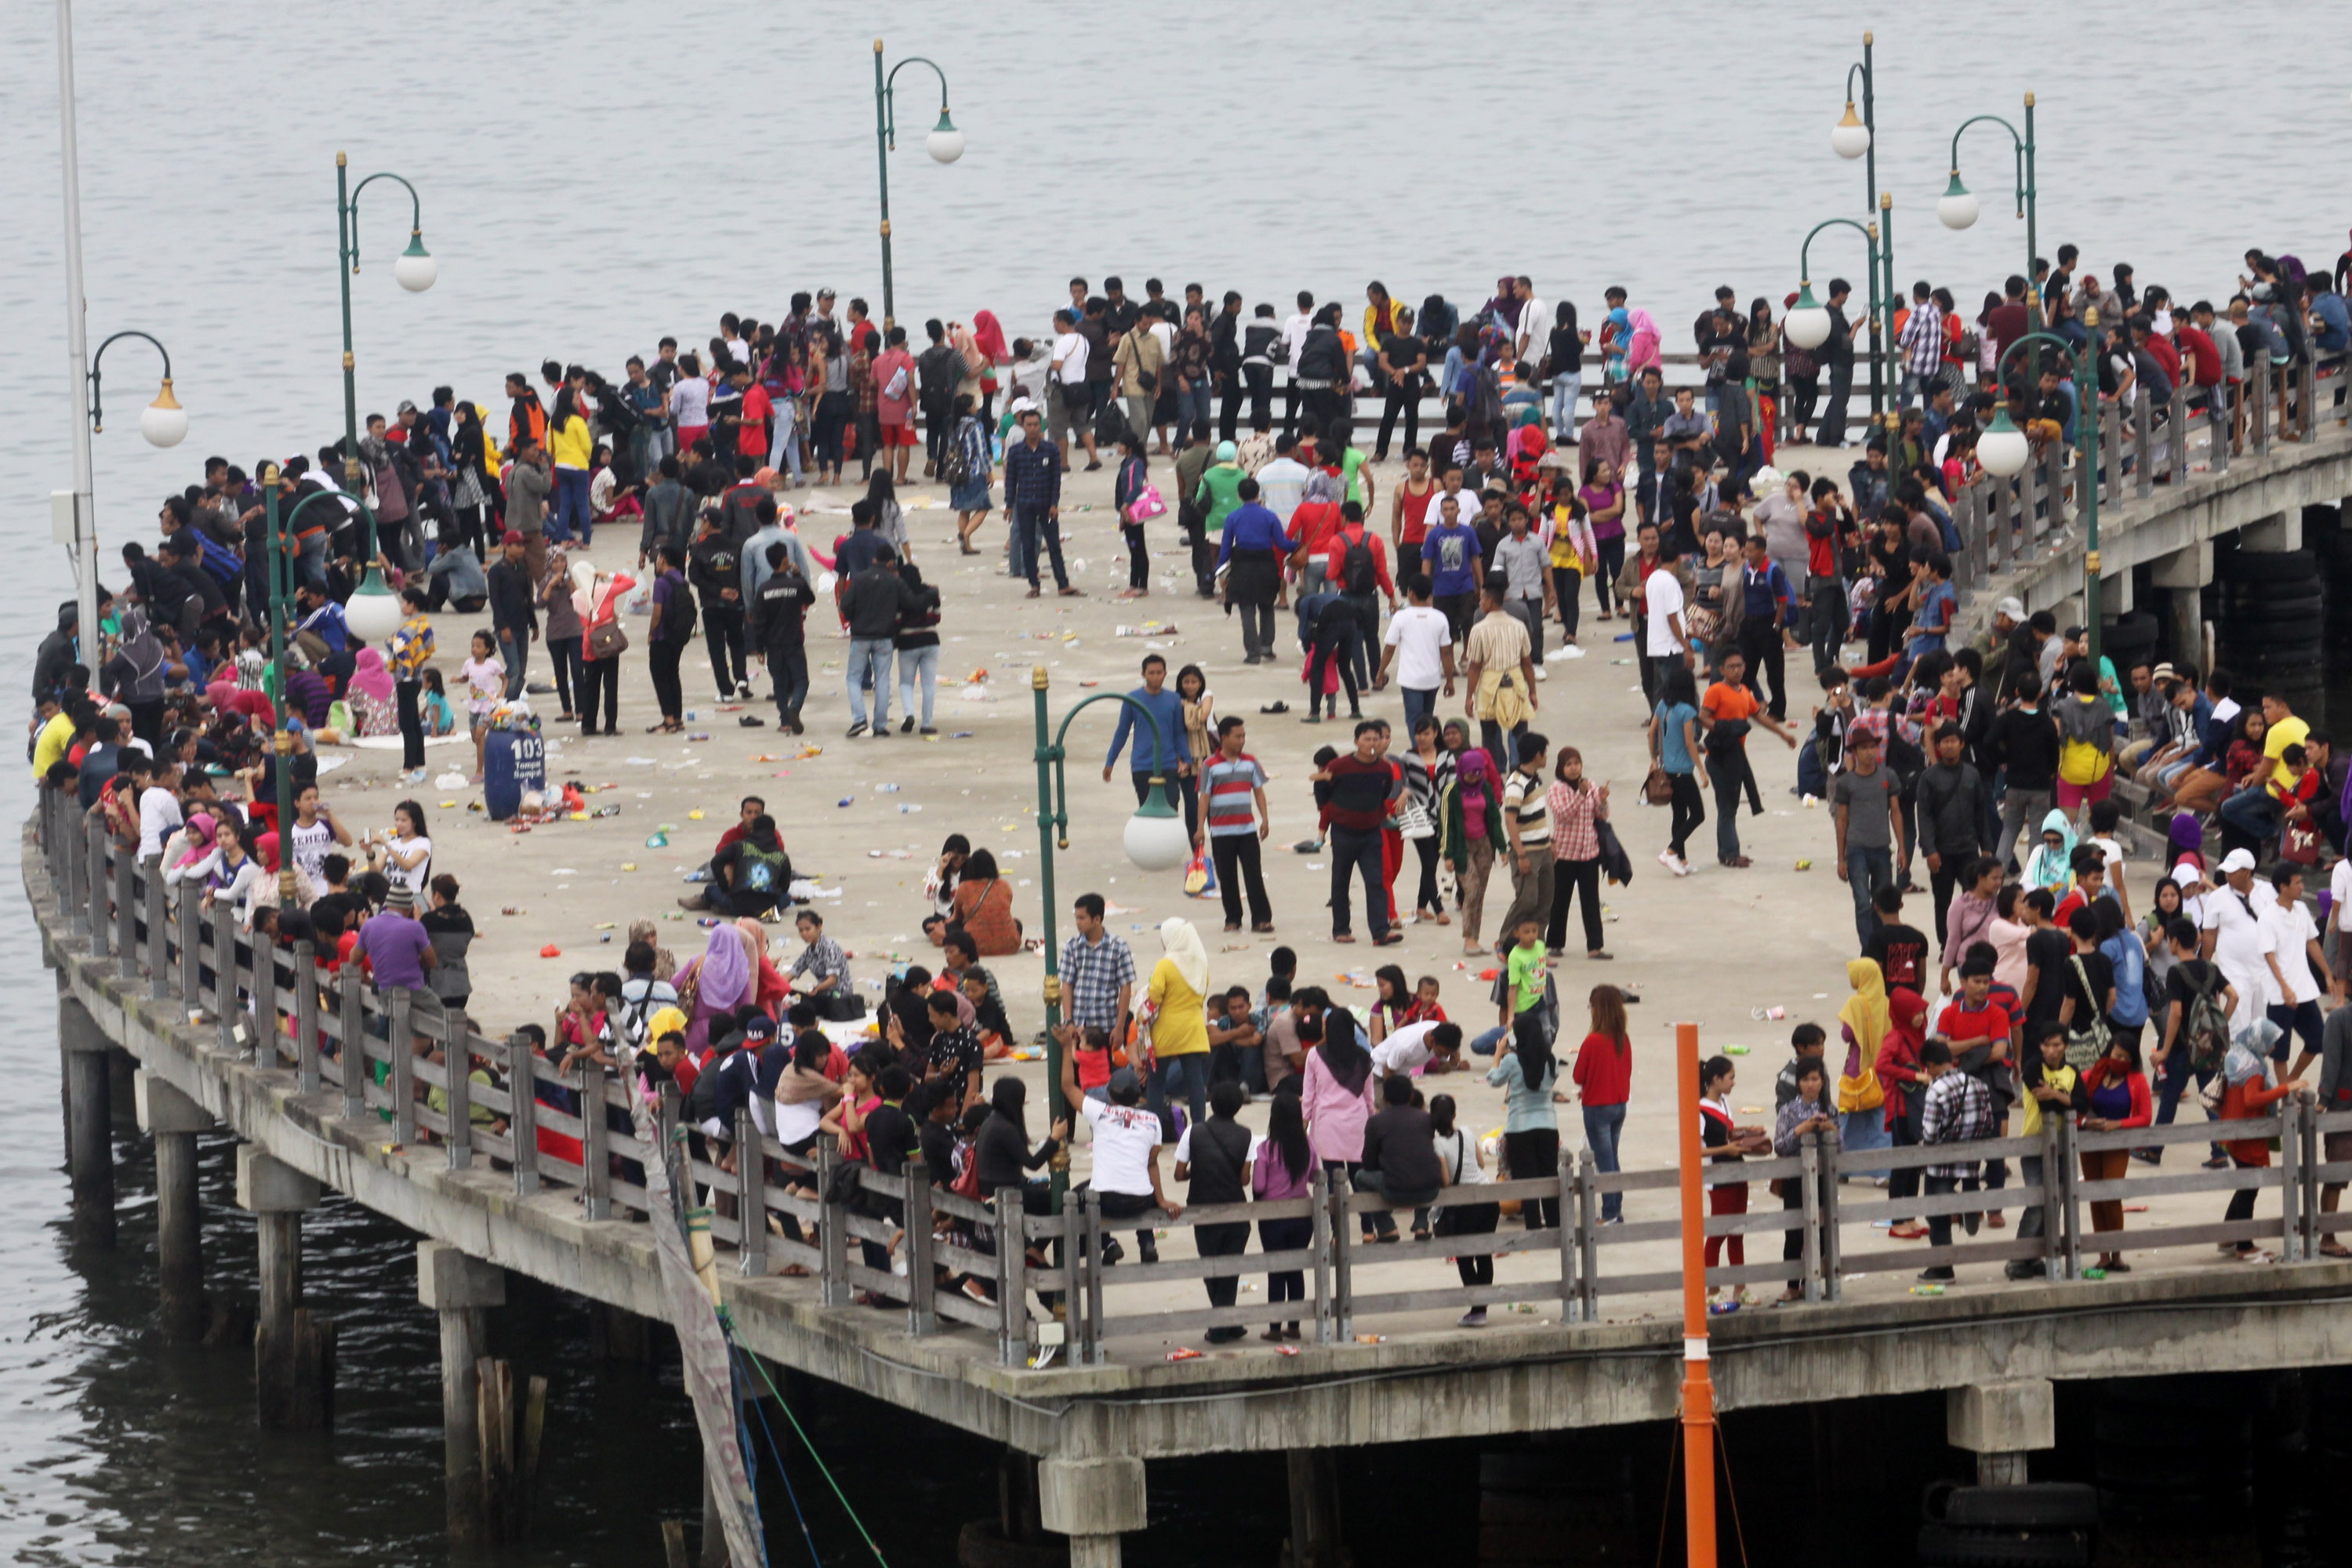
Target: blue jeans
1192, 405
1418, 705
1602, 1124
1030, 527
1484, 1045
571, 519
1354, 850
310, 562
869, 657
514, 652
1866, 871
1186, 1075
923, 661
2252, 812
1565, 388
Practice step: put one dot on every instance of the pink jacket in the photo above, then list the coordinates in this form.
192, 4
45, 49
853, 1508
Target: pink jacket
1335, 1119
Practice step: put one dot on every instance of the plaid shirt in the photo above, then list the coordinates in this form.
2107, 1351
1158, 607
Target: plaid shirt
1957, 1109
1091, 977
1572, 812
824, 959
1033, 477
1923, 339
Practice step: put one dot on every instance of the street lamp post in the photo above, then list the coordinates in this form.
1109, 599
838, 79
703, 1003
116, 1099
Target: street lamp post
2004, 449
1807, 324
945, 144
1155, 841
1957, 208
1852, 138
373, 613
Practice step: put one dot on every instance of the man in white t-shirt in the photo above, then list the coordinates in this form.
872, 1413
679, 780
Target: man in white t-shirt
1126, 1162
1067, 408
2237, 940
1662, 605
2297, 1013
1282, 483
1294, 335
1429, 1046
159, 810
1421, 651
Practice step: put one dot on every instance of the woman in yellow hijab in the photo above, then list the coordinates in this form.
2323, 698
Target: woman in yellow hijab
1864, 1019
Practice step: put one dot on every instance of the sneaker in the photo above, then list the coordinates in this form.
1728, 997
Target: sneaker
906, 724
1682, 868
1475, 1318
1539, 673
1666, 858
1147, 1251
1935, 1276
858, 729
1225, 1335
1112, 1251
751, 721
1968, 1222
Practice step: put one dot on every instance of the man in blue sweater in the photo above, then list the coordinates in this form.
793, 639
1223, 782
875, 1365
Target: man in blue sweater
1250, 560
1172, 756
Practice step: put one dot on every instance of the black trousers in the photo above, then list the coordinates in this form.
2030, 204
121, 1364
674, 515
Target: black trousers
1138, 560
1260, 378
1220, 1241
1285, 1236
1532, 1154
1571, 878
1832, 430
1762, 643
1345, 643
722, 633
1405, 399
1186, 787
564, 653
599, 677
1237, 857
1946, 880
1804, 392
1688, 809
1475, 1219
412, 723
1426, 897
1126, 1205
662, 658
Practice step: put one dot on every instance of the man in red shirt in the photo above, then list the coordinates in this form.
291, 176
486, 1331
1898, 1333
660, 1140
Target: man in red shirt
756, 410
894, 402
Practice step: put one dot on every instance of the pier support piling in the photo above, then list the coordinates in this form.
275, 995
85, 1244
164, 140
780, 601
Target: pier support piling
1315, 1540
2001, 1424
1094, 1502
173, 1120
460, 1289
293, 1351
89, 1124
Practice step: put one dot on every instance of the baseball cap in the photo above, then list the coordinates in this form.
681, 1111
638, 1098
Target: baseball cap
2012, 606
1123, 1083
2237, 860
2164, 672
405, 407
825, 294
511, 536
759, 1027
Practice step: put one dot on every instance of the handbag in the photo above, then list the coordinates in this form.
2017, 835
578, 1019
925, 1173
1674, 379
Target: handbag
2084, 1047
1412, 821
607, 639
1146, 505
1657, 788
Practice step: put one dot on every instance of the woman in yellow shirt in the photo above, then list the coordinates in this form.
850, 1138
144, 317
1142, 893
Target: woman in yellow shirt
1180, 1026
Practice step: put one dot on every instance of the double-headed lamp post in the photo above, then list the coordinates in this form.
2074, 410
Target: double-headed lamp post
373, 613
2004, 449
1857, 137
1156, 840
1957, 208
945, 144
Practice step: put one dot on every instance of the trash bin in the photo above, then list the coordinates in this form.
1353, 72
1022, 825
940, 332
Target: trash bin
514, 762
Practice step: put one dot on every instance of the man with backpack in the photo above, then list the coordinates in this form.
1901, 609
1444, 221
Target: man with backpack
1357, 561
748, 877
642, 996
2199, 1001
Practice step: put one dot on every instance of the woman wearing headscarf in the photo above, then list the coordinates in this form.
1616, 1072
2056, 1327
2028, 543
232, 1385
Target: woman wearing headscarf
1640, 344
970, 468
188, 854
1862, 1022
473, 485
2050, 864
1180, 1026
714, 985
1898, 1077
1336, 1088
1527, 1073
1473, 828
771, 987
597, 596
370, 692
987, 350
134, 676
560, 630
1313, 522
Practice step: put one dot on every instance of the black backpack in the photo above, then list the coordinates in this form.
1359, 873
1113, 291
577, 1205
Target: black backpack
1356, 574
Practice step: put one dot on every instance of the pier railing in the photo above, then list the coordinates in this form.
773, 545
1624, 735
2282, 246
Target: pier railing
951, 1262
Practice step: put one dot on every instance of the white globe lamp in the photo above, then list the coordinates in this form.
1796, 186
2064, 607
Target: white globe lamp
1156, 839
945, 142
2003, 449
1956, 208
163, 422
1807, 324
415, 269
373, 612
1850, 138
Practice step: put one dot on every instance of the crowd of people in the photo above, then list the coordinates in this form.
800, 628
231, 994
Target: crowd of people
162, 723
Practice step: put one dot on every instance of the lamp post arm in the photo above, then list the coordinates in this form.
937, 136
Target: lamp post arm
96, 415
351, 205
1804, 251
2017, 147
890, 98
1159, 743
2066, 350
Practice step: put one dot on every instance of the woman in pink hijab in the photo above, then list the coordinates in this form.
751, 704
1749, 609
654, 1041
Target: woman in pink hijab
987, 350
370, 692
1641, 344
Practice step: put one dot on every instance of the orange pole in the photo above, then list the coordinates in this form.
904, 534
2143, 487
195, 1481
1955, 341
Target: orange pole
1698, 1388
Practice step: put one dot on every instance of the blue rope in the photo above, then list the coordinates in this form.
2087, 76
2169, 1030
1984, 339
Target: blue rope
750, 1463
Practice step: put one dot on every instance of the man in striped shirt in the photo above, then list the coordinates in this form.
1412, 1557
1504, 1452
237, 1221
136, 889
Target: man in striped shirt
1527, 824
1234, 821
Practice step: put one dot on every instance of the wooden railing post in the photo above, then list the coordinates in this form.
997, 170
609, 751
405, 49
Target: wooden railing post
751, 1196
94, 840
265, 1001
2142, 416
351, 1053
833, 1230
2291, 1110
595, 1138
225, 987
1011, 1288
2071, 1203
71, 869
159, 929
2177, 425
2053, 482
306, 1017
1588, 1237
2313, 1151
126, 911
1076, 1264
458, 1070
2306, 387
400, 1067
1343, 1244
522, 1094
2258, 410
2219, 428
1090, 1235
1808, 1174
922, 1314
2053, 1184
1832, 1249
1571, 1225
1319, 1225
189, 934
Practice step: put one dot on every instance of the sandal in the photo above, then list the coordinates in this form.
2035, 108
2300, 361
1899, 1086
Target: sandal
1344, 936
1267, 928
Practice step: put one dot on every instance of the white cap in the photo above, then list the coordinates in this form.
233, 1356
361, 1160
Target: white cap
2013, 606
2237, 861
